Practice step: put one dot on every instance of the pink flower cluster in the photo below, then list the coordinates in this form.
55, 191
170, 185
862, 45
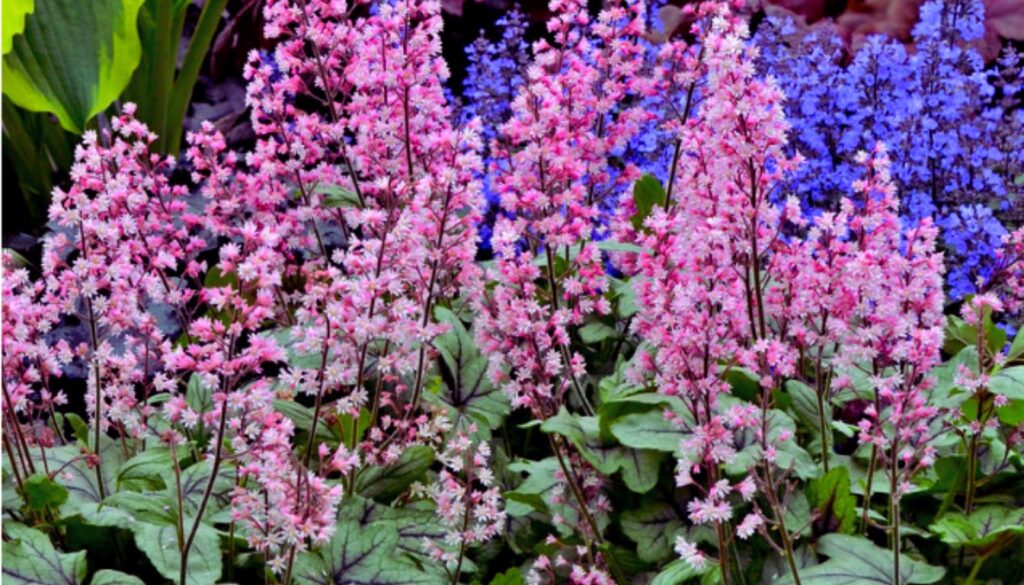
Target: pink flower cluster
554, 179
467, 499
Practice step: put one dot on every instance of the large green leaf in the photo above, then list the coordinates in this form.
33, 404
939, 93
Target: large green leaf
388, 482
653, 528
194, 480
647, 192
108, 577
835, 505
854, 560
466, 391
639, 466
1009, 383
541, 491
42, 493
14, 15
30, 559
74, 58
415, 523
789, 452
77, 477
361, 555
160, 544
648, 430
676, 573
149, 467
984, 530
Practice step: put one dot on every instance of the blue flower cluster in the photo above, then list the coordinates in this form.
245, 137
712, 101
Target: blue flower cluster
953, 127
493, 75
952, 124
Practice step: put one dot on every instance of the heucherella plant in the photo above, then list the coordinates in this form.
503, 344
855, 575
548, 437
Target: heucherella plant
293, 363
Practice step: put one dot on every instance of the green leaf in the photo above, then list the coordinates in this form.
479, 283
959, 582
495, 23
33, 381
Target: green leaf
302, 417
625, 298
415, 522
388, 482
677, 572
194, 480
1009, 383
308, 360
854, 560
466, 390
160, 545
596, 331
836, 506
109, 577
1017, 348
336, 196
639, 467
613, 246
42, 493
361, 555
647, 430
14, 15
653, 528
150, 466
805, 405
790, 453
512, 576
986, 529
541, 481
126, 509
73, 58
29, 558
647, 192
77, 477
198, 395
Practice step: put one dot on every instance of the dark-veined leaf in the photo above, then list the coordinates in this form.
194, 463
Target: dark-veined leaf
30, 559
854, 560
109, 577
985, 529
465, 390
390, 481
160, 544
653, 528
361, 555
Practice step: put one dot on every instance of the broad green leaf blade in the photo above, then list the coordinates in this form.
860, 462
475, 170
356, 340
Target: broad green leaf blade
360, 555
194, 480
160, 544
42, 493
73, 59
14, 15
512, 576
676, 573
653, 528
109, 577
78, 478
466, 390
647, 430
150, 466
835, 505
29, 558
416, 523
854, 560
982, 530
639, 466
387, 483
647, 192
